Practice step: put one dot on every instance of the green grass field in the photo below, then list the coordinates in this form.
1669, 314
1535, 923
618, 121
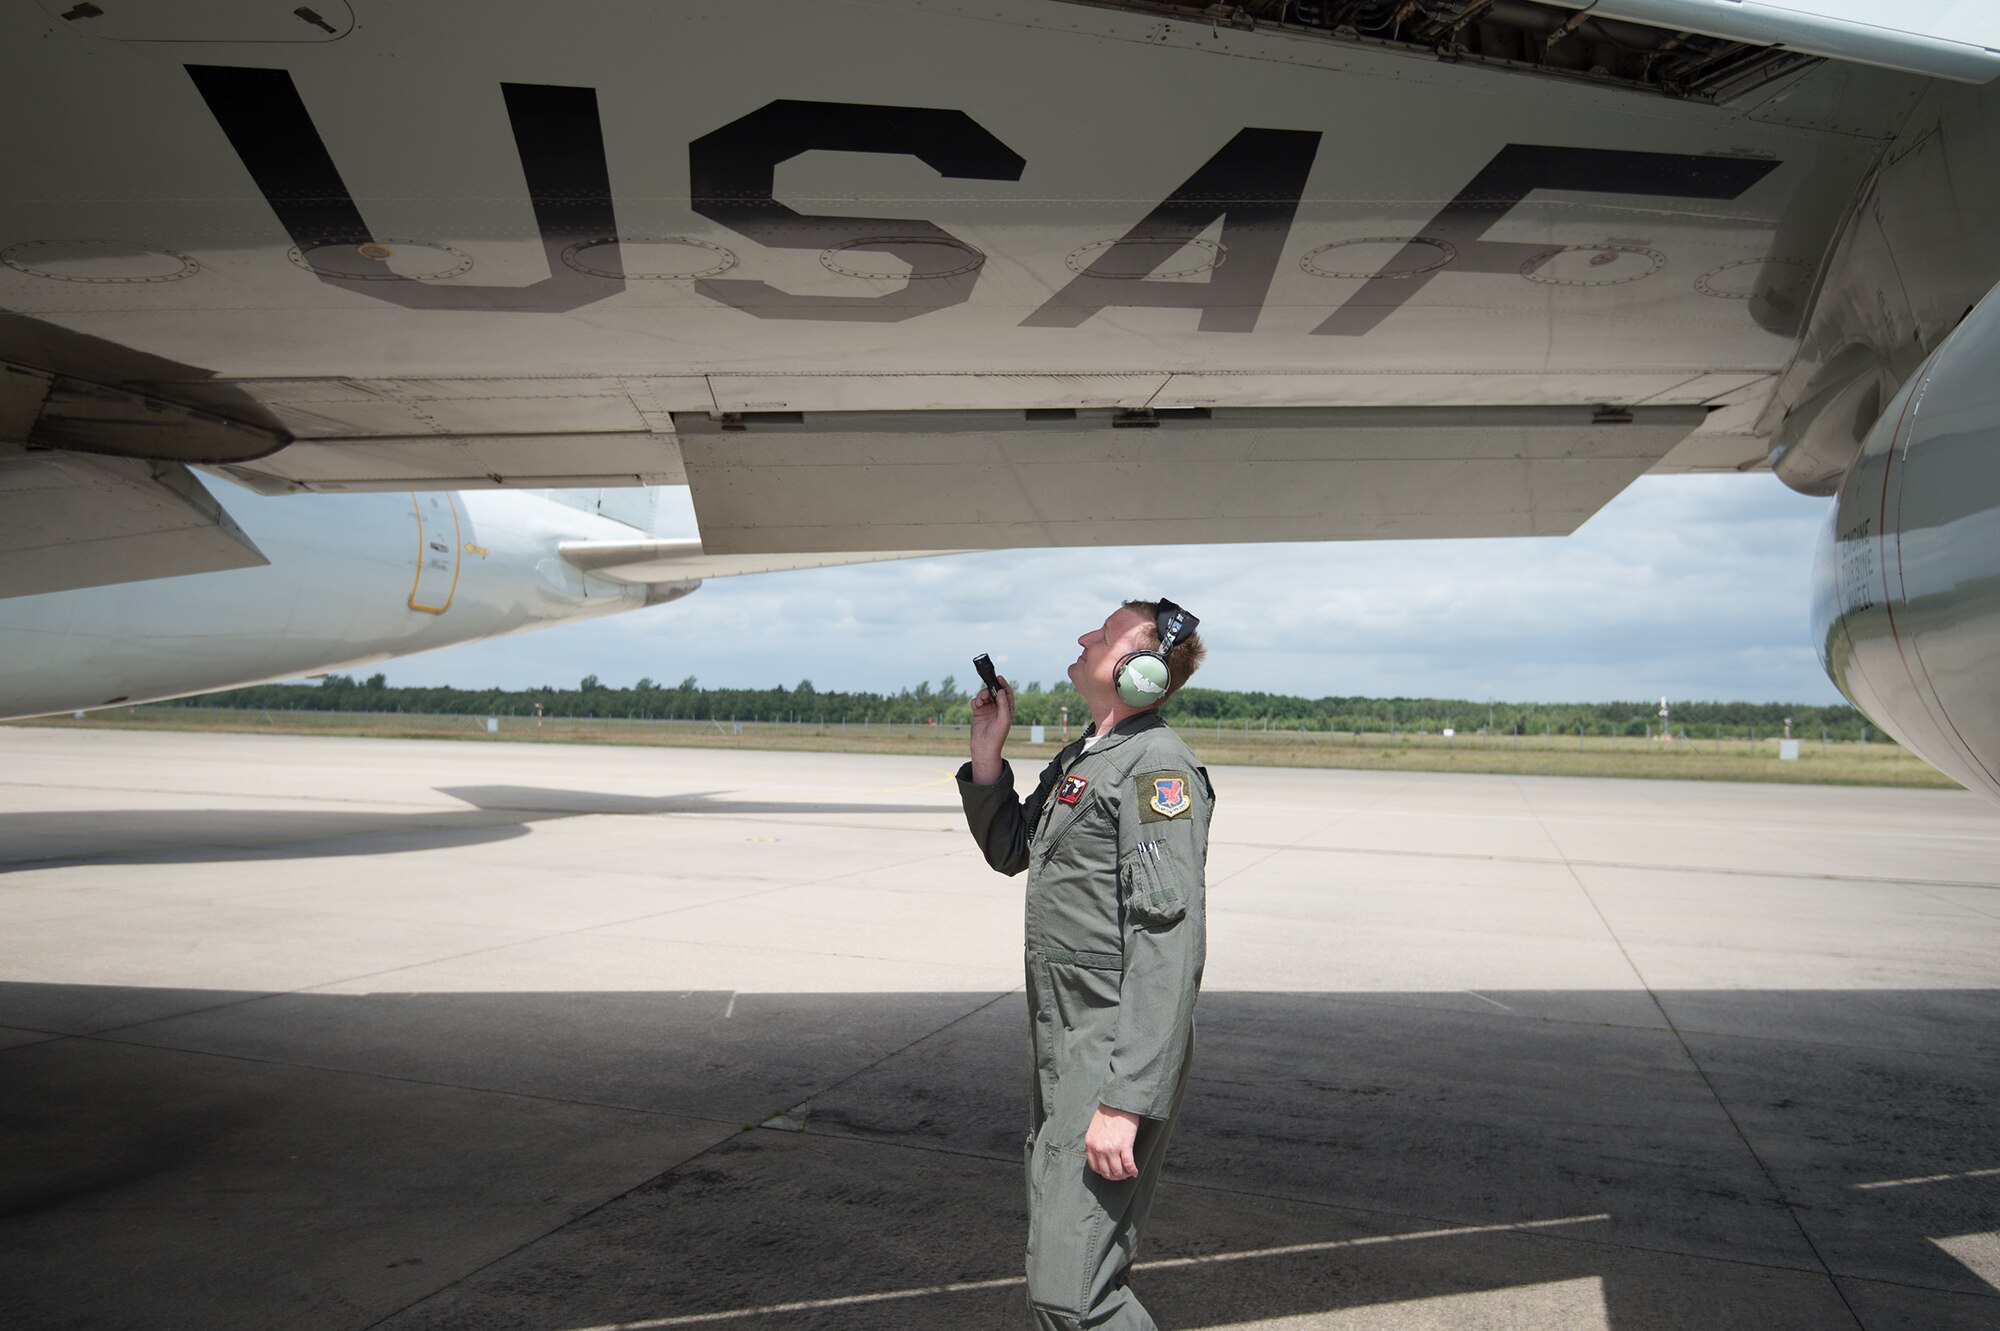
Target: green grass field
1852, 764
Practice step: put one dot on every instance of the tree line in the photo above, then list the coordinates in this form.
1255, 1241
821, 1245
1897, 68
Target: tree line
948, 704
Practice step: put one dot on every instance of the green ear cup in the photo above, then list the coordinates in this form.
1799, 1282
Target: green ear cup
1142, 679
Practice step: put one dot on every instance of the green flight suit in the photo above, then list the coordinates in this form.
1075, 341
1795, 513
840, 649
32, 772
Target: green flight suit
1115, 840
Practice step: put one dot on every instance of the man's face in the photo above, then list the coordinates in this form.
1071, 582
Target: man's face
1103, 648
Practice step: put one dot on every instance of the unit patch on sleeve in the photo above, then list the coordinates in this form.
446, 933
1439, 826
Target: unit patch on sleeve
1071, 790
1163, 795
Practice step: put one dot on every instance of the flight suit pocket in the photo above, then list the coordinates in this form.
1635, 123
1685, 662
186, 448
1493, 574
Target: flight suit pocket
1151, 893
1066, 1230
1055, 984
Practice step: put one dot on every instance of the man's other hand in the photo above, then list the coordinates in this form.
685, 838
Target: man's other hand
992, 718
1107, 1143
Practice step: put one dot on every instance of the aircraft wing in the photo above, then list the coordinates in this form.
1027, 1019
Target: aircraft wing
69, 520
1466, 271
656, 562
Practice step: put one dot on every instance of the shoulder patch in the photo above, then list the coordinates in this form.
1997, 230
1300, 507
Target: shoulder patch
1163, 795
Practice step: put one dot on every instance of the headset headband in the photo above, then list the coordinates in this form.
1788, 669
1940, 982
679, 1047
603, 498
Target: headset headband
1173, 624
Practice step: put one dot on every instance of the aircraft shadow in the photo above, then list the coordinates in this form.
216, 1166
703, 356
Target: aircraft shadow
494, 813
564, 1160
572, 803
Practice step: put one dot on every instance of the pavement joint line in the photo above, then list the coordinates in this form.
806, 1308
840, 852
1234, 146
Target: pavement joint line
1298, 844
1173, 1184
792, 951
1371, 1000
42, 1037
1004, 1160
581, 1216
244, 901
107, 1036
349, 979
1795, 841
760, 892
1777, 1189
1925, 890
734, 1124
765, 819
519, 942
1005, 1282
248, 899
1652, 821
1259, 862
1170, 1182
240, 999
1989, 1293
538, 937
526, 1244
1567, 863
897, 1052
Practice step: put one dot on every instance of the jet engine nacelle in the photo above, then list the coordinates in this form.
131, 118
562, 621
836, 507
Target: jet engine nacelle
1906, 603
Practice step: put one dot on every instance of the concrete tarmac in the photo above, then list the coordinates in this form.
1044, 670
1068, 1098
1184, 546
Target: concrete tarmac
332, 1033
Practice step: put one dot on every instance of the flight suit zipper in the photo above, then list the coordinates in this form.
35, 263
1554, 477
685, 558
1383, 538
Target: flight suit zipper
1049, 846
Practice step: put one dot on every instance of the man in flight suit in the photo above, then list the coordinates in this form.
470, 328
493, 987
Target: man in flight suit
1114, 839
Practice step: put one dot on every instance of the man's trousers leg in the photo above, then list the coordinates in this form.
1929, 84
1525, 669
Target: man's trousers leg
1084, 1231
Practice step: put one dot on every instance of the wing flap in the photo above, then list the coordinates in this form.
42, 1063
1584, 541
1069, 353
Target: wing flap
860, 481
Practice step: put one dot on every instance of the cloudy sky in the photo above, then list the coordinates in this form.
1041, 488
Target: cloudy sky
1692, 587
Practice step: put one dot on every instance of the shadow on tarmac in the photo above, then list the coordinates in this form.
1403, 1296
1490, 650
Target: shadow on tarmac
553, 803
555, 1161
495, 813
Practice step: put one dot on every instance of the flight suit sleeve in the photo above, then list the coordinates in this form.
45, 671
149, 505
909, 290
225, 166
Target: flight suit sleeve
1001, 821
1163, 817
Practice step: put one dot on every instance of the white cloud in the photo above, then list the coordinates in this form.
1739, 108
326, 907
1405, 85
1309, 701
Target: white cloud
1693, 587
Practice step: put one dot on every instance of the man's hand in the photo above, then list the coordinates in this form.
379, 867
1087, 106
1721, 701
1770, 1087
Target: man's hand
1107, 1143
992, 718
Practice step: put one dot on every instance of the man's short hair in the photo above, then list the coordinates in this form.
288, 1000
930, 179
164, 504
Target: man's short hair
1188, 653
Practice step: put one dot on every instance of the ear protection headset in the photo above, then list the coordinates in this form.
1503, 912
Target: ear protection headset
1142, 678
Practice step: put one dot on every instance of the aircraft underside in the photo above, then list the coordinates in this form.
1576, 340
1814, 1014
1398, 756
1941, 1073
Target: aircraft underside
932, 275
